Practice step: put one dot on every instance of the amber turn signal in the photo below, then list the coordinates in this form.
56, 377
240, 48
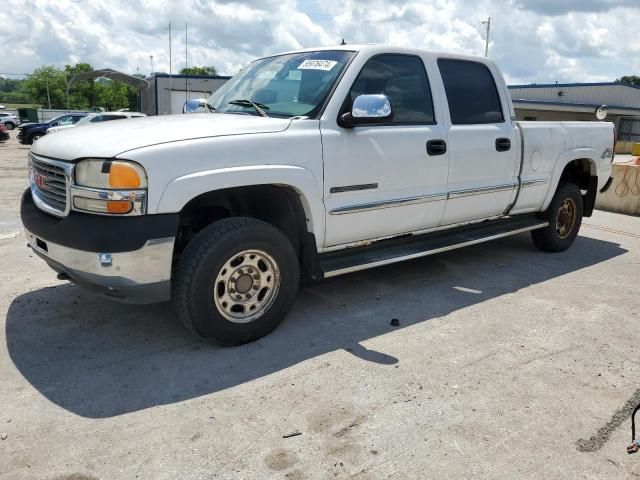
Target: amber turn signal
123, 175
119, 206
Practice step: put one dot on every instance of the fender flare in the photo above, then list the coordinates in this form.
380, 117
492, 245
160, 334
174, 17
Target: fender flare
183, 189
562, 161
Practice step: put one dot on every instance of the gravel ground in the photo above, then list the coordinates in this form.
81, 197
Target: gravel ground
507, 363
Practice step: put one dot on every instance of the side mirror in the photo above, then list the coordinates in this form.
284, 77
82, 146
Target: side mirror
196, 105
367, 109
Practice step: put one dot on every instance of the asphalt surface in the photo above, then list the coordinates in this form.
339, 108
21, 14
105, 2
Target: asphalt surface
506, 363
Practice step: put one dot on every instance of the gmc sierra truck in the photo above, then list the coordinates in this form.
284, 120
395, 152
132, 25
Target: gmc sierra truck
318, 162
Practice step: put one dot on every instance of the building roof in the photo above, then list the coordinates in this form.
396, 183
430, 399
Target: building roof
568, 85
108, 73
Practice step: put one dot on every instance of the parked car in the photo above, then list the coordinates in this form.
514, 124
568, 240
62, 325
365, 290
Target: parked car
97, 118
323, 161
30, 132
4, 134
10, 120
2, 107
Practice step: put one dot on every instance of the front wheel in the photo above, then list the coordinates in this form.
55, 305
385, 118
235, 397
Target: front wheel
34, 137
565, 217
236, 281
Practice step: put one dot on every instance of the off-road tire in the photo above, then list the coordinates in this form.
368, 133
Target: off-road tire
549, 239
194, 279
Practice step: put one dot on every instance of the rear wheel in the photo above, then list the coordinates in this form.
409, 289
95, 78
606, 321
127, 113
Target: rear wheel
565, 217
236, 281
10, 125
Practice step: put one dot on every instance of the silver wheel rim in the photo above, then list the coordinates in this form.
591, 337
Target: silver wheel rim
246, 286
566, 218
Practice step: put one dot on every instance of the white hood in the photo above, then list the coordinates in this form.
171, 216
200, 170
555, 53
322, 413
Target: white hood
108, 139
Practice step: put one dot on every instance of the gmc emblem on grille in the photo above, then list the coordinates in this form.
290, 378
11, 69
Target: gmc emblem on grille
40, 181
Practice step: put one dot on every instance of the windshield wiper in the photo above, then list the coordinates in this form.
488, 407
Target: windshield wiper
258, 107
210, 107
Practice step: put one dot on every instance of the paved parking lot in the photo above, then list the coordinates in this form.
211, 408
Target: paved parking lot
507, 363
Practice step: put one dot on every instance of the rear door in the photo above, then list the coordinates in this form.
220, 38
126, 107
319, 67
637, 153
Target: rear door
483, 158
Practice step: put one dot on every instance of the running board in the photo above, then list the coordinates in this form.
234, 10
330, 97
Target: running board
408, 247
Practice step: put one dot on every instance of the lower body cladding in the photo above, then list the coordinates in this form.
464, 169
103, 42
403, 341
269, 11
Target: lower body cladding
123, 258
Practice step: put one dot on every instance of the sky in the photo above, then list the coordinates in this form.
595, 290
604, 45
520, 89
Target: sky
531, 40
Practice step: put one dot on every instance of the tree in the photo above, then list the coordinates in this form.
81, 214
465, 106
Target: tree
113, 95
82, 94
11, 91
630, 79
211, 70
46, 86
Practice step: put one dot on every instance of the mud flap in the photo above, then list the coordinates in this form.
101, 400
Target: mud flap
589, 199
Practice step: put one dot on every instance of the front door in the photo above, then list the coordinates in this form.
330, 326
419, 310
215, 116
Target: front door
483, 158
379, 179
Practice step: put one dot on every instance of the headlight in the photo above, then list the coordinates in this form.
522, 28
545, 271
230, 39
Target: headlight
110, 187
111, 174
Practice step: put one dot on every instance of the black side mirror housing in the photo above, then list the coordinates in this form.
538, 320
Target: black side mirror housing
347, 120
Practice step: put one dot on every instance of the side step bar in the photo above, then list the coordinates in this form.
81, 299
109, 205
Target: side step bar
408, 247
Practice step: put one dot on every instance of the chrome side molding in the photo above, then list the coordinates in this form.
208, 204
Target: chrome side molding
388, 203
363, 207
534, 183
479, 191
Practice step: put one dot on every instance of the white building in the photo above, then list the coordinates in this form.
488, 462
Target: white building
166, 94
579, 101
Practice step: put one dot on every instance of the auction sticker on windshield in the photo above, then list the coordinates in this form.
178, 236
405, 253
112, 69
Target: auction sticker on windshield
325, 65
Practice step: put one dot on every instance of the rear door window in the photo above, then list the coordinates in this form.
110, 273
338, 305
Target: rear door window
471, 92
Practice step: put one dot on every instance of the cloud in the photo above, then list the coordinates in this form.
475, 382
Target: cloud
532, 40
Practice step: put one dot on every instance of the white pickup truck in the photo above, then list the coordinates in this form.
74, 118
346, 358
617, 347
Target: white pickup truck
318, 162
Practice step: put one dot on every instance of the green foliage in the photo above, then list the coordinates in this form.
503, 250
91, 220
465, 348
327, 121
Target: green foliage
630, 79
82, 94
46, 86
211, 70
10, 91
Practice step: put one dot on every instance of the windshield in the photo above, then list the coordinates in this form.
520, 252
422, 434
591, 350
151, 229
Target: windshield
287, 85
84, 120
64, 120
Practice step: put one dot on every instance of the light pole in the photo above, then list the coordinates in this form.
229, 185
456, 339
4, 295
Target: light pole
186, 59
487, 22
151, 59
170, 68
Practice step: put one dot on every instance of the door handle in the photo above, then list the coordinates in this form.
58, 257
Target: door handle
436, 147
503, 144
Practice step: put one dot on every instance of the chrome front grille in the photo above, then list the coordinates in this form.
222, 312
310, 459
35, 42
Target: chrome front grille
49, 181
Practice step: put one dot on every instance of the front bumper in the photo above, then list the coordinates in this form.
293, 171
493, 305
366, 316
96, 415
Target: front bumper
127, 259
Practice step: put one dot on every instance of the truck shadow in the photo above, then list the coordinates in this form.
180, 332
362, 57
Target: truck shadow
100, 359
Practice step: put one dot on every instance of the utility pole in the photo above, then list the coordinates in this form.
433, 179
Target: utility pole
487, 22
170, 67
151, 59
48, 96
186, 58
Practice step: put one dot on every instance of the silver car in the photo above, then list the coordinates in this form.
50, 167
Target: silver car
10, 120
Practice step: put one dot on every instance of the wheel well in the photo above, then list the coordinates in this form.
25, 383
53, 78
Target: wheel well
582, 173
278, 205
